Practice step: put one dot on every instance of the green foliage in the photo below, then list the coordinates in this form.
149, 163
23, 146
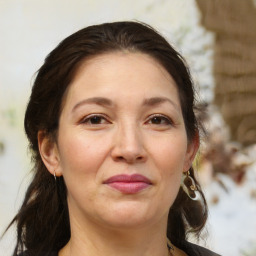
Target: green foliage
9, 116
250, 251
2, 147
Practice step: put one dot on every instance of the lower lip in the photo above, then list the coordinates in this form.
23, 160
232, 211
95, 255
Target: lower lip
129, 187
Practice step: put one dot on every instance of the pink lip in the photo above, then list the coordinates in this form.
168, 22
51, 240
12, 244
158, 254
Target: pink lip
128, 184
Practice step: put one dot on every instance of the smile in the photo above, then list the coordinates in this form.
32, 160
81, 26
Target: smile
128, 184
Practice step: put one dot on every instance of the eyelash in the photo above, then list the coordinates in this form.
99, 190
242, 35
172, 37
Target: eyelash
167, 120
88, 119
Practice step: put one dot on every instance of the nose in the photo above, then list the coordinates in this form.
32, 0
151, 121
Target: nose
128, 145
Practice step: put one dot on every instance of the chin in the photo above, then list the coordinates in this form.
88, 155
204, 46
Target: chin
130, 215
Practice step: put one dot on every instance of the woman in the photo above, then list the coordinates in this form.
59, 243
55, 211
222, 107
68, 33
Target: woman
113, 134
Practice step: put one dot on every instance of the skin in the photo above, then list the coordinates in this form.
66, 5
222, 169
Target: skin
137, 128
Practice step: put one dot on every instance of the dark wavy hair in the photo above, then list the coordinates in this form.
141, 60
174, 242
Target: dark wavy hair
43, 219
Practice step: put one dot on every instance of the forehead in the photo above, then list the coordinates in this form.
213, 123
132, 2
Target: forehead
119, 74
123, 59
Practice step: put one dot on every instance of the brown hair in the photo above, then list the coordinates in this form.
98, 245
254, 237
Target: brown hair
43, 221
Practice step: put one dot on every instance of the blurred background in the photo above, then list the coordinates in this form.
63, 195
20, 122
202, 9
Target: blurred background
218, 40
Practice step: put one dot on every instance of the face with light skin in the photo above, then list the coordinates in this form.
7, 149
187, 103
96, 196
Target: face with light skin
121, 115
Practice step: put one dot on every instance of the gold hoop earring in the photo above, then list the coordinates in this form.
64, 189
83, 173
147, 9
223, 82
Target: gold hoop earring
170, 247
189, 186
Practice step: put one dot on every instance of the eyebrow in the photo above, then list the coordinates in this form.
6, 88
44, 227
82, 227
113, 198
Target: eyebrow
154, 101
95, 100
158, 101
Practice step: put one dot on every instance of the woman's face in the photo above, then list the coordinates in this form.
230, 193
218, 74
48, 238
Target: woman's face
122, 144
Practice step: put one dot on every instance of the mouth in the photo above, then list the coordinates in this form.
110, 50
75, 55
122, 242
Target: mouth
128, 184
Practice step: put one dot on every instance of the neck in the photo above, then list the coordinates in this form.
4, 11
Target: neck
92, 240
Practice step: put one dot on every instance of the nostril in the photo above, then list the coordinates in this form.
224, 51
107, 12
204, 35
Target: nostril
120, 158
129, 158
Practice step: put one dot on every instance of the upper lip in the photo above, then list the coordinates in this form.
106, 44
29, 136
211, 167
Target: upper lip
128, 178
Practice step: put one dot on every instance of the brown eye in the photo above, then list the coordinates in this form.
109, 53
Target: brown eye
156, 120
95, 120
159, 120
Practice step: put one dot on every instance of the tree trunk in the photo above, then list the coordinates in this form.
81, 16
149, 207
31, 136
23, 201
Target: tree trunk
234, 25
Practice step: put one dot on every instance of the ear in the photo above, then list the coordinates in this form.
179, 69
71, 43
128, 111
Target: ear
49, 153
192, 149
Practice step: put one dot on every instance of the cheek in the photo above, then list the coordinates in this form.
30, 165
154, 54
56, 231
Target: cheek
81, 155
169, 158
80, 161
170, 154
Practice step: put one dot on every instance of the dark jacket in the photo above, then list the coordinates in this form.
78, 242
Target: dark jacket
196, 250
189, 248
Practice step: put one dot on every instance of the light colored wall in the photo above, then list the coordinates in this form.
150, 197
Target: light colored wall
30, 29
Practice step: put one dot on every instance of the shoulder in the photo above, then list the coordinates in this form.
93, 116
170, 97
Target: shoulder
196, 250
